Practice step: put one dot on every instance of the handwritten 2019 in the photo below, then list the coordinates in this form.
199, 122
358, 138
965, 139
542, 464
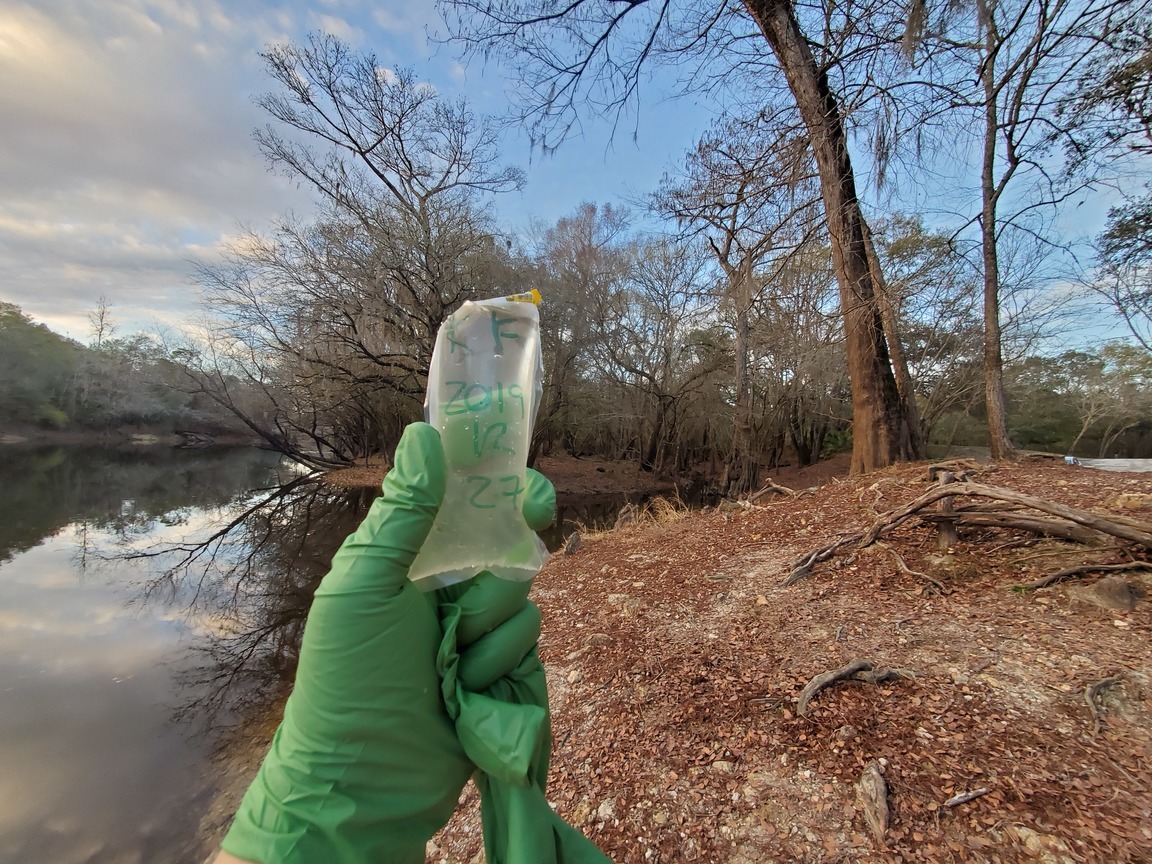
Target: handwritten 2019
494, 406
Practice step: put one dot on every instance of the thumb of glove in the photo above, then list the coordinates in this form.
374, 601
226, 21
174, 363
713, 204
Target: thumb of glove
376, 556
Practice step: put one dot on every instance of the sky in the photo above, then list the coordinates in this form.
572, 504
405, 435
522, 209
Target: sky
127, 154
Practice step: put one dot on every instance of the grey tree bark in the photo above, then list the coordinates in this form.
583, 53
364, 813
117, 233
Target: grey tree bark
880, 434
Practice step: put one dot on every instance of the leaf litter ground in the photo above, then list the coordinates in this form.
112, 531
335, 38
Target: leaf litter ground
675, 658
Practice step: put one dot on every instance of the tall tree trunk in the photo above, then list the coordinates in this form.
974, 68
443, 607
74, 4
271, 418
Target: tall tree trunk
878, 434
905, 386
652, 448
741, 470
999, 445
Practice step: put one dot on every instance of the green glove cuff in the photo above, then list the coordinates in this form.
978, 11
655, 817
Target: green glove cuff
505, 730
501, 738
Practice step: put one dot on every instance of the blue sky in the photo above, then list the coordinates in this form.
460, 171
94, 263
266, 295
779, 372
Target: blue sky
127, 149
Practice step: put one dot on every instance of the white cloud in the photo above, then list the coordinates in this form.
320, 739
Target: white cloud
127, 150
127, 147
338, 27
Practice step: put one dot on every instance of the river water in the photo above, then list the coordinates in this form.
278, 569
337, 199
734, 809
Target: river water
1139, 465
117, 672
94, 653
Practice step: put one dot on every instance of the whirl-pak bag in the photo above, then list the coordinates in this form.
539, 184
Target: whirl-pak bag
484, 387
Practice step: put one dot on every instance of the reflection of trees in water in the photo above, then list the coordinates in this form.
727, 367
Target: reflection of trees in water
120, 490
254, 576
252, 580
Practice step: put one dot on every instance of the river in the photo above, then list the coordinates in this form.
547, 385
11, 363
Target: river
117, 671
94, 652
1137, 465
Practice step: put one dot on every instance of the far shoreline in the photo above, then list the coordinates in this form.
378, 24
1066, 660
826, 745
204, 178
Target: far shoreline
119, 437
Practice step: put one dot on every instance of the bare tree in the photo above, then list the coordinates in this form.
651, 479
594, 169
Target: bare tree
798, 355
580, 261
1125, 284
650, 328
334, 320
565, 52
747, 190
101, 323
1115, 108
933, 293
1024, 57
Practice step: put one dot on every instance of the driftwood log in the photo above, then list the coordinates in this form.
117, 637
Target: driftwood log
1060, 520
1083, 569
872, 796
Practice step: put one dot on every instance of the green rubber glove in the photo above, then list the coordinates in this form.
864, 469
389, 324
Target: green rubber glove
502, 719
367, 764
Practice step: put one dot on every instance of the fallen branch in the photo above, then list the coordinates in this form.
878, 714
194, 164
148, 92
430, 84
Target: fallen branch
857, 670
1127, 529
903, 566
1129, 521
1080, 570
1042, 525
961, 469
1091, 693
771, 486
965, 797
1140, 535
990, 507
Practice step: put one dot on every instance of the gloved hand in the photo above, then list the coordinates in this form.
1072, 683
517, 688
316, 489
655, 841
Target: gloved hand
367, 764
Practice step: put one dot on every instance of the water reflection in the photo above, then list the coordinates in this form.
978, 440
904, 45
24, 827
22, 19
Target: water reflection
259, 599
138, 586
252, 582
94, 771
47, 488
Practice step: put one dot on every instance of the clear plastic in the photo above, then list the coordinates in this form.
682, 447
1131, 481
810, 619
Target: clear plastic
483, 390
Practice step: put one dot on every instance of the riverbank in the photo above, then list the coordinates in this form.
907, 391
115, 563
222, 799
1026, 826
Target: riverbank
676, 657
588, 476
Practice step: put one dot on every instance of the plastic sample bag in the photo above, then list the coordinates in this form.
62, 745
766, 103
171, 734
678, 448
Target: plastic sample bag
483, 389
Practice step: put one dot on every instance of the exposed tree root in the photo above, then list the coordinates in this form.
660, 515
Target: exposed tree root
1092, 692
857, 670
940, 587
1081, 570
1070, 523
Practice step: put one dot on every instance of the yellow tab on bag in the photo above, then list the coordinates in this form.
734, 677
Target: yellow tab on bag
532, 296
